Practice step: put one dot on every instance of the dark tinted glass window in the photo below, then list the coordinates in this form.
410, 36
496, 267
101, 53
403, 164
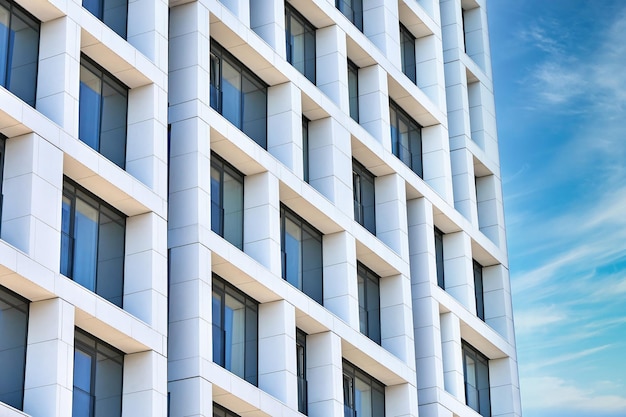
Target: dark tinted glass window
369, 302
103, 103
300, 37
13, 332
2, 146
364, 196
439, 258
219, 411
92, 243
478, 290
113, 13
406, 138
301, 247
301, 370
238, 94
353, 10
362, 394
476, 375
407, 53
353, 90
305, 148
19, 51
226, 201
98, 374
235, 330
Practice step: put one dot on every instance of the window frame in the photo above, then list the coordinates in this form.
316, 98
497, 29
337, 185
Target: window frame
416, 165
353, 95
16, 302
364, 215
356, 13
309, 43
224, 412
369, 304
93, 351
17, 11
439, 258
118, 86
301, 371
408, 39
479, 289
96, 203
480, 360
217, 56
350, 373
303, 225
224, 167
251, 336
306, 154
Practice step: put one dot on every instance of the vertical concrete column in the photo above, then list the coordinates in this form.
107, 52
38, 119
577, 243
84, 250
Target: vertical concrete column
190, 331
436, 161
146, 139
451, 27
340, 282
374, 103
33, 178
396, 312
240, 8
483, 120
430, 75
401, 400
504, 387
144, 386
147, 29
457, 103
391, 214
145, 269
261, 220
58, 72
421, 246
324, 375
498, 304
476, 38
331, 56
457, 260
452, 355
490, 208
464, 183
381, 26
49, 379
189, 198
277, 347
284, 120
330, 162
267, 19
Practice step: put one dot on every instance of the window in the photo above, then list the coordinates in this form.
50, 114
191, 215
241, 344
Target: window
362, 394
112, 12
478, 290
226, 201
407, 53
353, 90
238, 94
300, 37
476, 375
235, 330
98, 373
92, 243
219, 411
19, 51
301, 370
439, 258
103, 102
369, 302
353, 10
406, 138
364, 198
301, 247
3, 140
305, 148
14, 329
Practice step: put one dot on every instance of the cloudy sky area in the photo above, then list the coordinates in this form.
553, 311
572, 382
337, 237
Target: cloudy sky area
560, 83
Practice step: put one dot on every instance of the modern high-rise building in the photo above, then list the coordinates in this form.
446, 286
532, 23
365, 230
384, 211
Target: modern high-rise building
251, 208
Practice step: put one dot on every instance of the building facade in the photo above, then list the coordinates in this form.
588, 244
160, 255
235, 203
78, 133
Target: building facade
251, 208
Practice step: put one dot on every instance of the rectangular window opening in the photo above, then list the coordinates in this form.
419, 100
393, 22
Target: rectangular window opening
476, 377
407, 53
363, 395
406, 138
113, 13
363, 189
300, 38
227, 201
369, 302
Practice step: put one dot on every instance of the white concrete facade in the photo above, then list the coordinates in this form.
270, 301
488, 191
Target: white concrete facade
166, 325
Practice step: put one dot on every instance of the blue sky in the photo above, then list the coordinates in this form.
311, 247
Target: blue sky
560, 83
